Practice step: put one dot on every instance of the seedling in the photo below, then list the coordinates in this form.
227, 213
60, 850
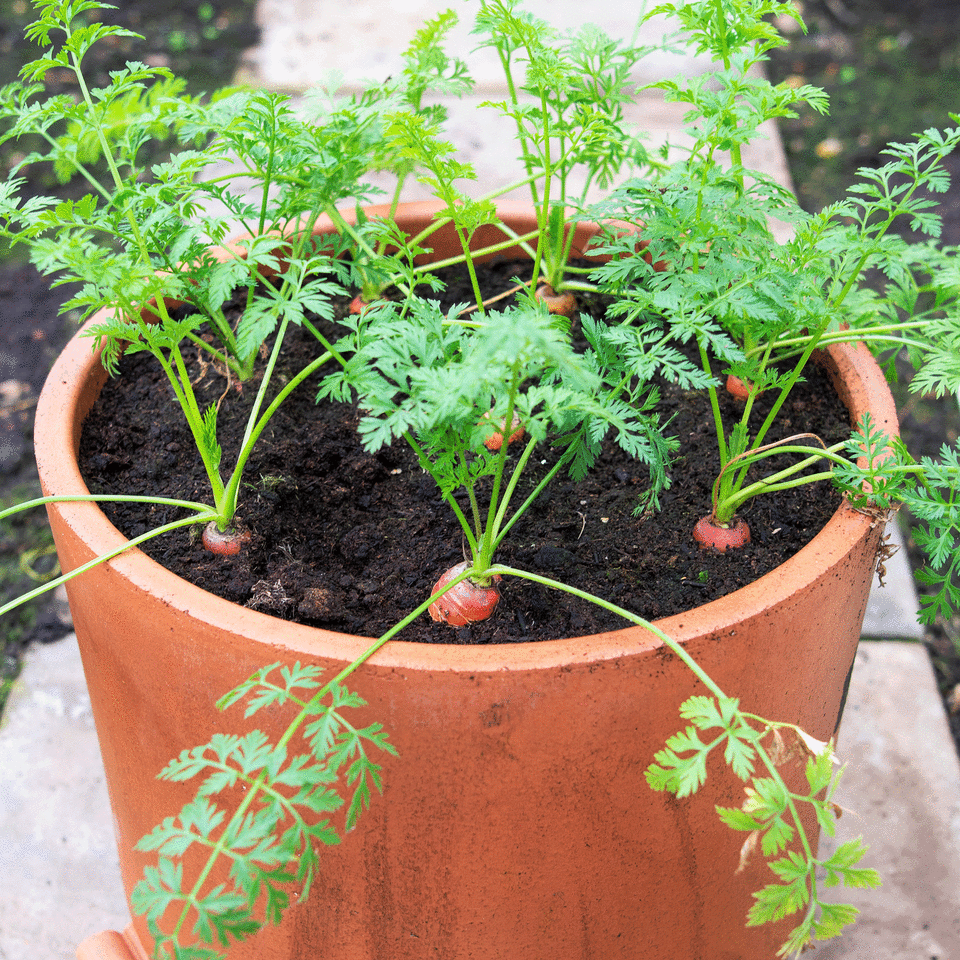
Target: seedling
758, 308
146, 245
566, 98
445, 384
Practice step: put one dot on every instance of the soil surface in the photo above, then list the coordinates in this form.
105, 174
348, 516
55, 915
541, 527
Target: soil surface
354, 542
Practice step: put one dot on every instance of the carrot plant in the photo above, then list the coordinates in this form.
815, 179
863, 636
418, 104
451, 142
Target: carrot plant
274, 837
428, 72
757, 306
447, 384
145, 246
566, 99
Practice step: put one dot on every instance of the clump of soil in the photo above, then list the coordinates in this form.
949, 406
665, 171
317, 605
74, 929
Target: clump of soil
353, 541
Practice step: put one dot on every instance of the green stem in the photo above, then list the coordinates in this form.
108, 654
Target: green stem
112, 166
791, 381
441, 221
880, 335
268, 171
487, 540
103, 558
727, 507
103, 498
179, 380
231, 494
548, 477
474, 505
521, 134
513, 240
714, 405
543, 209
449, 499
471, 268
499, 531
253, 419
745, 417
726, 504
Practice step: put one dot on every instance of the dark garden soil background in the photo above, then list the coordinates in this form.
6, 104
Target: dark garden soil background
353, 541
891, 66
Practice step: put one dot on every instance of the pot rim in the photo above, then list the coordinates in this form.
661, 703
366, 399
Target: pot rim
77, 377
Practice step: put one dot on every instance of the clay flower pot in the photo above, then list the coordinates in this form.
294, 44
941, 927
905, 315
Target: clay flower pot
516, 821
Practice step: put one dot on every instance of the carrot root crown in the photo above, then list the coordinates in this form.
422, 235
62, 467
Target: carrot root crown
739, 389
559, 304
467, 602
358, 305
495, 441
224, 543
714, 536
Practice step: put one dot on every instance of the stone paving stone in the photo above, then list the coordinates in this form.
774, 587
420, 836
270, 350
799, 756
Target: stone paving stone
303, 42
59, 872
901, 790
892, 610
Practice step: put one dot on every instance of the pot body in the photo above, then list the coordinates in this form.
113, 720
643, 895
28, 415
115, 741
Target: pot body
516, 821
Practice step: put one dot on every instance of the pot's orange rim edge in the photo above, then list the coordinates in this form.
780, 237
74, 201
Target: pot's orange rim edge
59, 472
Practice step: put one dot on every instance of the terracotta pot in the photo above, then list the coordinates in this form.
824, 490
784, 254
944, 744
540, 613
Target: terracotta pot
516, 822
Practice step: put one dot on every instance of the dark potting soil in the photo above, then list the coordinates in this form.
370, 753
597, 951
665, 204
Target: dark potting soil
354, 541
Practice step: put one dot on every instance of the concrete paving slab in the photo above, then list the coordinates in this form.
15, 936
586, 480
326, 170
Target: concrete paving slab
59, 872
303, 42
892, 608
902, 791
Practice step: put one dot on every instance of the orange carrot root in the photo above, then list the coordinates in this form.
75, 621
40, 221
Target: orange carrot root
713, 536
739, 389
358, 305
559, 304
495, 441
224, 543
465, 603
